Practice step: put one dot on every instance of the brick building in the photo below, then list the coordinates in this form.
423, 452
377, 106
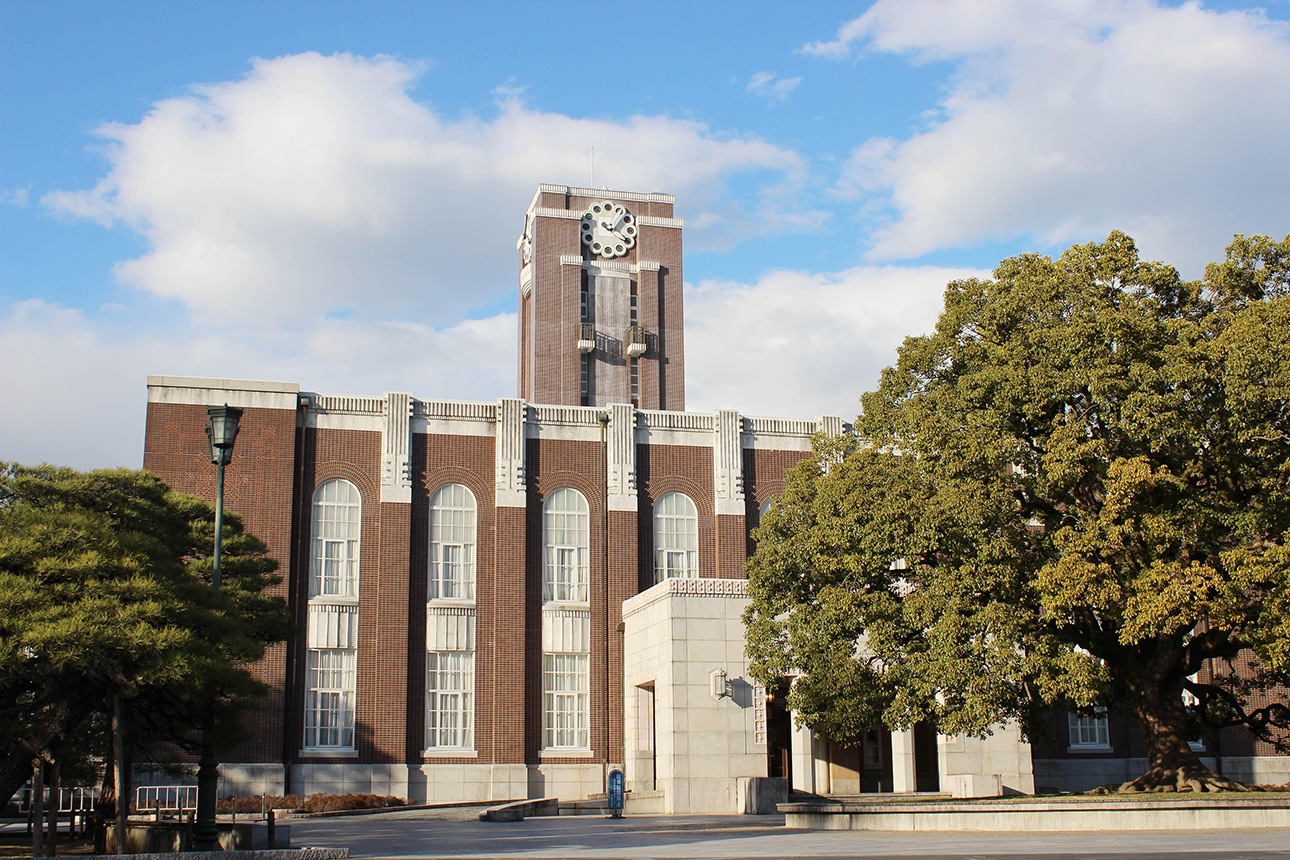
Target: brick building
508, 599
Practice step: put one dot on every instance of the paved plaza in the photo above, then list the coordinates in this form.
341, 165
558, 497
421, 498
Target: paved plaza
438, 835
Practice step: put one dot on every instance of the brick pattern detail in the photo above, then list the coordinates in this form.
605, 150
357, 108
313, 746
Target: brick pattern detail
258, 484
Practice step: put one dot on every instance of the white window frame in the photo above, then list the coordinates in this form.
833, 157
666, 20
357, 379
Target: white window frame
454, 516
566, 535
336, 534
450, 700
676, 537
1080, 728
329, 699
566, 715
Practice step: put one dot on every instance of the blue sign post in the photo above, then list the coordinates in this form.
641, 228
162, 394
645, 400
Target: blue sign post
616, 792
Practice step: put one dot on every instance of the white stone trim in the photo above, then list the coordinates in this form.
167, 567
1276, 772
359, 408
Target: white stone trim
558, 752
654, 221
566, 630
396, 464
510, 487
622, 458
244, 394
603, 266
450, 628
449, 752
657, 419
343, 421
341, 403
635, 196
202, 382
566, 214
727, 462
332, 625
328, 752
701, 587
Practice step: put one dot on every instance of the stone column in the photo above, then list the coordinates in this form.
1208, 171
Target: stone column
728, 492
903, 775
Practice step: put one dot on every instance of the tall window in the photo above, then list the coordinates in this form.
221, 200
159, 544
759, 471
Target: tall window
566, 532
564, 701
450, 699
329, 698
337, 515
1089, 731
452, 543
676, 538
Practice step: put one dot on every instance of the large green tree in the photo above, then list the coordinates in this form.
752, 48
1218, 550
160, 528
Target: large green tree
105, 589
1073, 493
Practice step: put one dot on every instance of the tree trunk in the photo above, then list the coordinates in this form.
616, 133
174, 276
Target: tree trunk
52, 725
1172, 765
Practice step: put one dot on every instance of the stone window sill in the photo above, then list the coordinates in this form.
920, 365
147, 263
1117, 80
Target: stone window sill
328, 752
1090, 748
562, 753
443, 752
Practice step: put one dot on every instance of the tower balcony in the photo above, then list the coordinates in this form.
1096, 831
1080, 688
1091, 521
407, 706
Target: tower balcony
586, 338
635, 341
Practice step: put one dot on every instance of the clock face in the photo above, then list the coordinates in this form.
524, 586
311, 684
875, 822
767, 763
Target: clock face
608, 229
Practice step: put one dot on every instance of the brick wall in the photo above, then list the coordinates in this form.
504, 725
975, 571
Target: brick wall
258, 484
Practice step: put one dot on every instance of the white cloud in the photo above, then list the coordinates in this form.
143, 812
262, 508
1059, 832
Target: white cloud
799, 344
767, 84
793, 344
66, 368
1063, 120
18, 197
317, 183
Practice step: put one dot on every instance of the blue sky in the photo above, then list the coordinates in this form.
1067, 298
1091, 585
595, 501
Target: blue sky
330, 193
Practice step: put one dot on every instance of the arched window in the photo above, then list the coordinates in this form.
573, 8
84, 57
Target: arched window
337, 517
566, 535
676, 538
452, 543
765, 506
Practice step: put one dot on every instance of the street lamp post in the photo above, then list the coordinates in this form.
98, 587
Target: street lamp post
221, 432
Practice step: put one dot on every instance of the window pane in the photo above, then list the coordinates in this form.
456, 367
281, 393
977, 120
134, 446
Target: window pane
337, 522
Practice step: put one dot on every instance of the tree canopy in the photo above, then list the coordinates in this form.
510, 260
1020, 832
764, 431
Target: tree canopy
1072, 493
105, 588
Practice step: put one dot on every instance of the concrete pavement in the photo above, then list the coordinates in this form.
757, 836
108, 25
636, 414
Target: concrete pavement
434, 834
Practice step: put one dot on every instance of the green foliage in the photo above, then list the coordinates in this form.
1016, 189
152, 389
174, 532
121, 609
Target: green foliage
1073, 492
105, 587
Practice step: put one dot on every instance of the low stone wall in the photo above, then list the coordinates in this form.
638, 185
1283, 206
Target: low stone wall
1028, 815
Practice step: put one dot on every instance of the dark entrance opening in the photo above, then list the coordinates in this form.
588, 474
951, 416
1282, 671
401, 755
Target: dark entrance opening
927, 775
779, 735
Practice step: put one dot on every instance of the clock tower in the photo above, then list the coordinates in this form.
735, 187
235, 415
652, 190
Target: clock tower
601, 317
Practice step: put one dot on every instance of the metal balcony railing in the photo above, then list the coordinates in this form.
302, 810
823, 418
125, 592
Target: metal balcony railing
586, 337
635, 342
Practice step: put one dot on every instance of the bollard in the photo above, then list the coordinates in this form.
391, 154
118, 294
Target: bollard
273, 841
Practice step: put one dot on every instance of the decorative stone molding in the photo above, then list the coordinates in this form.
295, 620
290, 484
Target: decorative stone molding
728, 464
759, 714
450, 628
349, 405
396, 466
830, 425
622, 458
651, 221
636, 196
566, 415
566, 630
654, 419
466, 410
333, 625
781, 427
611, 265
707, 587
509, 447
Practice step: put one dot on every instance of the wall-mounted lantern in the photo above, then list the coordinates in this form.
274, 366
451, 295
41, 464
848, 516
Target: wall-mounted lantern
720, 684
